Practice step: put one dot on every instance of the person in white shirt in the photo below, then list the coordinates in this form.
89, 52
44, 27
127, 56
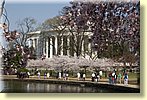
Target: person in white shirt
84, 76
66, 76
59, 77
93, 77
48, 75
100, 74
78, 76
28, 73
38, 74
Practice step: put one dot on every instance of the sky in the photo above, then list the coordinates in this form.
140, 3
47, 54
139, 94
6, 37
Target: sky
37, 10
40, 10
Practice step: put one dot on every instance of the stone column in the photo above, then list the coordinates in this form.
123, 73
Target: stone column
82, 48
46, 47
62, 46
37, 49
89, 47
33, 40
68, 44
56, 44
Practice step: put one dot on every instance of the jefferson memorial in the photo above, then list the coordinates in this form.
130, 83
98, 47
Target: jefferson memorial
50, 43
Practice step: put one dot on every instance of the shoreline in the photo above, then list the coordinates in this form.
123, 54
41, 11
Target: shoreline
121, 87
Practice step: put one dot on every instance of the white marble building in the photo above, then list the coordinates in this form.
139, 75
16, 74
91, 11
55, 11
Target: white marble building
50, 43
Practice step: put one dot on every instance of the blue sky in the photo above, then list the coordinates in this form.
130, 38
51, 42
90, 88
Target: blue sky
38, 11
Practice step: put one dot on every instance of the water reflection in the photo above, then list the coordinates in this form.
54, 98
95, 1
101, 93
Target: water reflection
34, 87
1, 85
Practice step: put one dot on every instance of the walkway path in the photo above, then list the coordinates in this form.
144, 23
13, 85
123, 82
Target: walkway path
102, 81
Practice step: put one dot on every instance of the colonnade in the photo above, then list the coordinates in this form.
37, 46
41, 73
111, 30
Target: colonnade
58, 45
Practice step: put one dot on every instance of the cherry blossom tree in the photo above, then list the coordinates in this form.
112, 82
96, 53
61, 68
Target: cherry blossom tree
66, 63
77, 24
17, 53
115, 26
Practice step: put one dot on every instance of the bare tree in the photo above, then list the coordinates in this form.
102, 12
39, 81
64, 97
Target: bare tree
18, 53
25, 26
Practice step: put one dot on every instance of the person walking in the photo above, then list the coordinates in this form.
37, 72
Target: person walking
126, 79
113, 77
97, 77
110, 78
100, 74
59, 76
93, 77
45, 74
78, 76
84, 76
48, 75
38, 74
119, 78
66, 76
28, 74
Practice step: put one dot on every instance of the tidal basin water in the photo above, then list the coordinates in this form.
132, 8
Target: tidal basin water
38, 87
1, 85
